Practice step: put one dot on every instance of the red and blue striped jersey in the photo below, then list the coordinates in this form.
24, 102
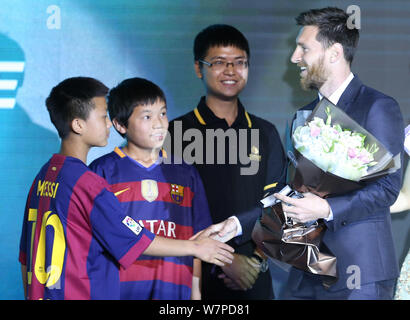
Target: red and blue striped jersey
170, 201
75, 234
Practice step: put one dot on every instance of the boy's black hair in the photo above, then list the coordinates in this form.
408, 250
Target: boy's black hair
72, 98
333, 28
129, 94
219, 35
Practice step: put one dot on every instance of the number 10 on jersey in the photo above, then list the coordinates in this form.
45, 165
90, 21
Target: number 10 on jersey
50, 224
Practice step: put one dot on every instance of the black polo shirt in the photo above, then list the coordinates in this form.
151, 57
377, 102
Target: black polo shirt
235, 186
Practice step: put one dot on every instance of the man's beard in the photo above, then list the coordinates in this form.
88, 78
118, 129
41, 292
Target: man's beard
316, 76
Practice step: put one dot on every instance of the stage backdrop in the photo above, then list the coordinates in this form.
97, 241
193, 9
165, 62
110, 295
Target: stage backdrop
45, 41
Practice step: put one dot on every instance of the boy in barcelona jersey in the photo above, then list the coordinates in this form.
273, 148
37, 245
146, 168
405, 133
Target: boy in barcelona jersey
75, 233
165, 196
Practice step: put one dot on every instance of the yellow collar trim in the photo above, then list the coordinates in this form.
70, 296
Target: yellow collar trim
199, 117
119, 152
202, 121
164, 153
123, 155
249, 119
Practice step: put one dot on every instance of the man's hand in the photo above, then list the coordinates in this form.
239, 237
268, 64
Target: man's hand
223, 231
241, 274
309, 208
213, 251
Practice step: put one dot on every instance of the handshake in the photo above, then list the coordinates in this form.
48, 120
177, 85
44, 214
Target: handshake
242, 272
223, 231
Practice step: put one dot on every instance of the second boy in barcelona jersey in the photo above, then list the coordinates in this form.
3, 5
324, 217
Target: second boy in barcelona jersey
168, 200
167, 197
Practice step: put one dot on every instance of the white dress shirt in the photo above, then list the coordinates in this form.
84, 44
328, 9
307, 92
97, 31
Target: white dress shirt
334, 98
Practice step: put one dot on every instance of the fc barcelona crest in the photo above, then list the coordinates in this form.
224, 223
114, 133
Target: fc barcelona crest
149, 190
177, 193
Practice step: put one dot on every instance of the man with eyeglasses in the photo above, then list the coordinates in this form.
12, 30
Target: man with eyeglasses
221, 54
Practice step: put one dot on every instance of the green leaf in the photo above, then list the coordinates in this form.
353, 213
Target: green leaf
329, 117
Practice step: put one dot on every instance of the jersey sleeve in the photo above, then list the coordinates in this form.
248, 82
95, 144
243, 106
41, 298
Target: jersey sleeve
124, 238
201, 214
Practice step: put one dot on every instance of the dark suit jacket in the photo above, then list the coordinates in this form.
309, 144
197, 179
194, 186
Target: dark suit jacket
360, 233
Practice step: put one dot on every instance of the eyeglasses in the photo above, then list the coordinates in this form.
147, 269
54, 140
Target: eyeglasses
220, 65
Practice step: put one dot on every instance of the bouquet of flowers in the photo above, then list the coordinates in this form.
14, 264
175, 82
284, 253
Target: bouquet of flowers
330, 154
342, 152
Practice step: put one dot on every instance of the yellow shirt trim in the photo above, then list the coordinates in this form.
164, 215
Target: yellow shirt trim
123, 155
199, 117
164, 153
202, 121
119, 152
249, 119
269, 186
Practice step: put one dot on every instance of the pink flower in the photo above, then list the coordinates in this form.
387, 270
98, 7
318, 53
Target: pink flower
363, 157
314, 131
351, 153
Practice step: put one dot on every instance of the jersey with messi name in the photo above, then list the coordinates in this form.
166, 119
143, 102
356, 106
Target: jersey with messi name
75, 234
169, 200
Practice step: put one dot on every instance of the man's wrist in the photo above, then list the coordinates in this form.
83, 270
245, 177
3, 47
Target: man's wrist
330, 213
262, 259
238, 225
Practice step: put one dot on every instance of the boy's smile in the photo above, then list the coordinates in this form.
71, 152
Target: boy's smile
146, 130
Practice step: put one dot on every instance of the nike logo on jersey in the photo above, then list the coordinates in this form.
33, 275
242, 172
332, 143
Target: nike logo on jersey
121, 191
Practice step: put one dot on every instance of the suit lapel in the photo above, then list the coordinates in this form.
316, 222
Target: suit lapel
350, 94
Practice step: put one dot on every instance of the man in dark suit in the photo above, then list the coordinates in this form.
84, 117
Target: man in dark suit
359, 226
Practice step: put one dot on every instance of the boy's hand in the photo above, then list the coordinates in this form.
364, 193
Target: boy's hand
213, 251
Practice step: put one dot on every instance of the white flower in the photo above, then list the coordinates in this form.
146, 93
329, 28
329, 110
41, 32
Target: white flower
333, 149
